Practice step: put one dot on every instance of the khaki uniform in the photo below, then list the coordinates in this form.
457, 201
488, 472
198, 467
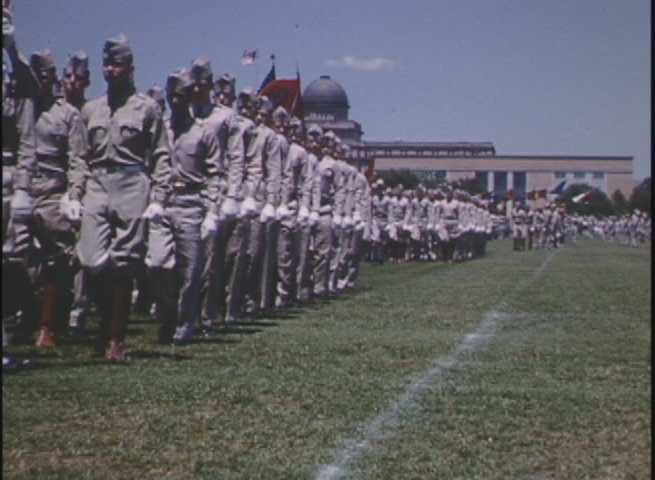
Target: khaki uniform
128, 166
324, 197
305, 258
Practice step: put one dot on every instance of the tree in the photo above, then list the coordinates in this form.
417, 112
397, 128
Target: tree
621, 205
640, 196
393, 178
597, 203
471, 185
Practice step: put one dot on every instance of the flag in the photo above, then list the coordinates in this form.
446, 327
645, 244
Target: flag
583, 197
559, 188
248, 57
270, 77
541, 194
532, 195
285, 92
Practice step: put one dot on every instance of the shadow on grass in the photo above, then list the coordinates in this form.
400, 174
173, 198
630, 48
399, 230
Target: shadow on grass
144, 354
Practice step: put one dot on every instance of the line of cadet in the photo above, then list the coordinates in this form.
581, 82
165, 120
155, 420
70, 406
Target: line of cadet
229, 205
631, 229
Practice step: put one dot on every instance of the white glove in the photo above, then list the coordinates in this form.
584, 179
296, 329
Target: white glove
313, 218
71, 208
209, 225
357, 217
229, 208
282, 212
154, 212
21, 206
249, 205
268, 213
303, 214
347, 221
336, 220
360, 225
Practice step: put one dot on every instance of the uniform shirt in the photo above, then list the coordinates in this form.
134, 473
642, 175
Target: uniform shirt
450, 210
325, 185
284, 157
61, 142
361, 194
263, 166
18, 137
223, 122
246, 129
380, 208
309, 173
195, 158
350, 194
294, 183
130, 133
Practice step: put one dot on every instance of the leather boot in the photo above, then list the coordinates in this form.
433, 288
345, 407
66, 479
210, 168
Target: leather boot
122, 299
46, 338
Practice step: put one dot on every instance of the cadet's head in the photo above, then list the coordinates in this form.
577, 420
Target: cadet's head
280, 119
76, 76
117, 62
157, 94
328, 143
314, 135
378, 186
44, 68
264, 110
246, 102
225, 90
178, 85
296, 131
202, 81
346, 153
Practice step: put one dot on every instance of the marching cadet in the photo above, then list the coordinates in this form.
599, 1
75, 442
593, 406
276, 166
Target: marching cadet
127, 182
176, 254
345, 207
223, 122
450, 222
230, 277
19, 87
361, 198
379, 219
294, 212
324, 192
76, 79
60, 146
262, 187
519, 227
308, 214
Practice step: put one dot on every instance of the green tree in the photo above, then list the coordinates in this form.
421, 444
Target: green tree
398, 177
640, 196
620, 203
597, 203
471, 185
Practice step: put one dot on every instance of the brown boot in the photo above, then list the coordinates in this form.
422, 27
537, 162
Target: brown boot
115, 352
122, 299
46, 338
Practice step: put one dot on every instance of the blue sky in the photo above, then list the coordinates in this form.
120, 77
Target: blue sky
555, 77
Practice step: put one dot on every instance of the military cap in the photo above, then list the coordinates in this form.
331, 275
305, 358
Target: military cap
264, 105
117, 50
78, 64
7, 18
226, 84
280, 114
345, 148
296, 125
201, 72
42, 60
379, 182
178, 82
156, 93
315, 130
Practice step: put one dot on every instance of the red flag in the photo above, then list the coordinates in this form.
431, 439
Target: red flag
285, 92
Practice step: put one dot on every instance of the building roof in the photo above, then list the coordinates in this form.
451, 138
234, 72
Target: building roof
324, 92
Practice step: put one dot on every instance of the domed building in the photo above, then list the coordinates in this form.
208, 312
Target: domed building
326, 104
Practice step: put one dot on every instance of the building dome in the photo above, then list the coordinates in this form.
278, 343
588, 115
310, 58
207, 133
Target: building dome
325, 93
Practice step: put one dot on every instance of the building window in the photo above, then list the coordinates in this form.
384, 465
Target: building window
500, 183
483, 180
431, 175
578, 175
520, 182
560, 174
599, 175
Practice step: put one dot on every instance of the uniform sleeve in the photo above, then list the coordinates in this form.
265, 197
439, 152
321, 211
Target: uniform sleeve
341, 190
235, 156
287, 184
212, 163
160, 158
27, 83
273, 156
316, 189
307, 173
26, 162
77, 150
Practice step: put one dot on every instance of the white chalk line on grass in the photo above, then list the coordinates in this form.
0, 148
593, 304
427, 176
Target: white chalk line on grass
390, 418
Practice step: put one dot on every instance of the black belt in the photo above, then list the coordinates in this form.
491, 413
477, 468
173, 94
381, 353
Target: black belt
43, 172
107, 169
187, 188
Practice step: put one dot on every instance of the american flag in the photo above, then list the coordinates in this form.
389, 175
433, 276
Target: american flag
248, 57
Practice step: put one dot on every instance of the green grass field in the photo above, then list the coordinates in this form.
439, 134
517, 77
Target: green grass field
530, 365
